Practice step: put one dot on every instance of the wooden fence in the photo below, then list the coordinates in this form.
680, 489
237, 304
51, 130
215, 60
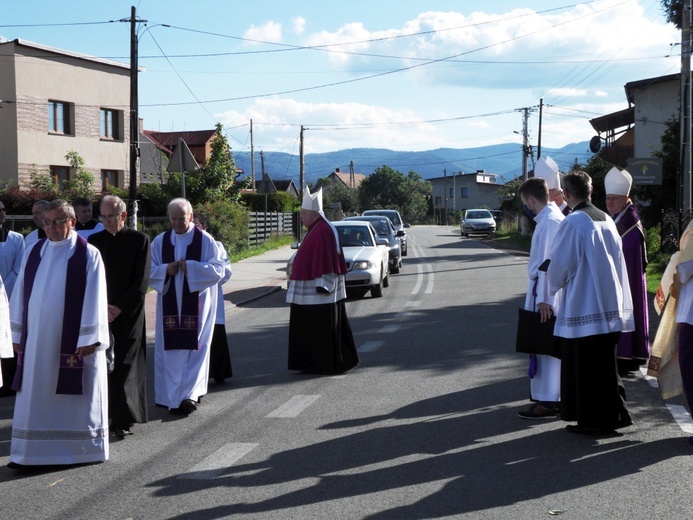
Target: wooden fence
261, 225
264, 225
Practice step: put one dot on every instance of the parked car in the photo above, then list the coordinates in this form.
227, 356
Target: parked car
477, 222
366, 257
497, 216
384, 228
396, 220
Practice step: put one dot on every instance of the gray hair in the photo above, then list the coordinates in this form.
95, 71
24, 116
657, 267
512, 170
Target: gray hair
182, 203
119, 204
42, 203
67, 208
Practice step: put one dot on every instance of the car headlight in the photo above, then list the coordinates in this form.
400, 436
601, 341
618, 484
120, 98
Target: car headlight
363, 264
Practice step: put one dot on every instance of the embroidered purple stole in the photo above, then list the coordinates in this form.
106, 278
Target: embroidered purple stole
71, 370
181, 331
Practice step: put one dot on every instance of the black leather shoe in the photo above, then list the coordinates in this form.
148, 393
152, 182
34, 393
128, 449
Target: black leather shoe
188, 406
121, 433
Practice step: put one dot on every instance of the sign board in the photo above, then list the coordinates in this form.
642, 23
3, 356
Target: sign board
646, 171
182, 160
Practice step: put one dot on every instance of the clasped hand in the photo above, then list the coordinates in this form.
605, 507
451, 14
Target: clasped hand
173, 268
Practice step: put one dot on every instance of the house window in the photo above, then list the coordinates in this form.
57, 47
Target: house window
59, 120
438, 202
452, 193
111, 124
110, 178
464, 192
60, 174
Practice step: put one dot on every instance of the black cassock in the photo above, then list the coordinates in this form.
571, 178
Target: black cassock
127, 260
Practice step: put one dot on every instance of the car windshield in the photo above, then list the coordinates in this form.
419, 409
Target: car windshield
478, 214
392, 215
354, 236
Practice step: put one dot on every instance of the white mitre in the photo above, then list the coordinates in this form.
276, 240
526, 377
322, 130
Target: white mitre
547, 169
618, 182
312, 202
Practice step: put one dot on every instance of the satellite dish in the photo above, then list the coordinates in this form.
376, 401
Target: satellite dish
595, 144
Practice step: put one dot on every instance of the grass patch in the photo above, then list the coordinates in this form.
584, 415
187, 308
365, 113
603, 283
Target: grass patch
510, 238
271, 244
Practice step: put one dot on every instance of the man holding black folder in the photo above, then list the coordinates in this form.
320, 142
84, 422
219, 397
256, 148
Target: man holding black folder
544, 370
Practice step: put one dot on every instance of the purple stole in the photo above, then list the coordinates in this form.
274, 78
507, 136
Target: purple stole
71, 370
181, 332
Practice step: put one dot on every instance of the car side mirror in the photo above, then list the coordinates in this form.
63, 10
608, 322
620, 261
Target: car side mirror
407, 225
294, 245
381, 241
401, 233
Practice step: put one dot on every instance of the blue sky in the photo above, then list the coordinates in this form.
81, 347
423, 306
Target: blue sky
397, 74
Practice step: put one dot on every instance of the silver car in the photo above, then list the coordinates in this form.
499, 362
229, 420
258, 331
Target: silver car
477, 222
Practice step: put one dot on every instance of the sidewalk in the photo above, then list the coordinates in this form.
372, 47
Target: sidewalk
252, 278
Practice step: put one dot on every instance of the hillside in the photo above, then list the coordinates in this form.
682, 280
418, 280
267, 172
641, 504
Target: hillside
503, 159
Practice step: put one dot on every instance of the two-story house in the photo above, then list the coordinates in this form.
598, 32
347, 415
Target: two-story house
53, 101
465, 191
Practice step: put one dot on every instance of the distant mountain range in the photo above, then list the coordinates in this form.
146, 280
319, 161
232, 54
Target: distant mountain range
502, 159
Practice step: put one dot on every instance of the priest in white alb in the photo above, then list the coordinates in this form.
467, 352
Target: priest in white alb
59, 321
187, 265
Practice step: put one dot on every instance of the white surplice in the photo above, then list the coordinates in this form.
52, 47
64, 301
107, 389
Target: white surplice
11, 254
183, 374
6, 350
596, 295
221, 311
546, 383
50, 428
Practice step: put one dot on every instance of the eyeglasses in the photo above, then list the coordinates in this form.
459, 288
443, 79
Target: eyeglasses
106, 218
57, 222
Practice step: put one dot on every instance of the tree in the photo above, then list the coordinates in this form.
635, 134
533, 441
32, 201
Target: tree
674, 11
335, 192
661, 198
219, 172
387, 188
82, 182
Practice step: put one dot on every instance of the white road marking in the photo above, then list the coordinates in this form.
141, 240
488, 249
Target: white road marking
429, 286
651, 380
412, 304
294, 406
419, 279
390, 328
371, 346
218, 461
682, 417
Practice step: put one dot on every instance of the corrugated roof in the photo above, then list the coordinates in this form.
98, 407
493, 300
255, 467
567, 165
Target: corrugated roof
625, 117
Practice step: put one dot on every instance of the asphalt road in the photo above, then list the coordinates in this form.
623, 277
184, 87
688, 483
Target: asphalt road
425, 427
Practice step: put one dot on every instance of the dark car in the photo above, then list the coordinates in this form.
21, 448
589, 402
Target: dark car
396, 220
383, 226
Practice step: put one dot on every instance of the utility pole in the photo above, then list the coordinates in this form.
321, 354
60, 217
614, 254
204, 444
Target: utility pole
302, 179
541, 111
134, 119
302, 173
685, 180
445, 193
525, 140
252, 156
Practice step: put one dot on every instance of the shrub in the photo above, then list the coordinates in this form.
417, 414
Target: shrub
280, 201
227, 223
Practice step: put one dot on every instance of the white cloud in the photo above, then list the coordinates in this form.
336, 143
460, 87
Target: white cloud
299, 24
331, 126
268, 32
